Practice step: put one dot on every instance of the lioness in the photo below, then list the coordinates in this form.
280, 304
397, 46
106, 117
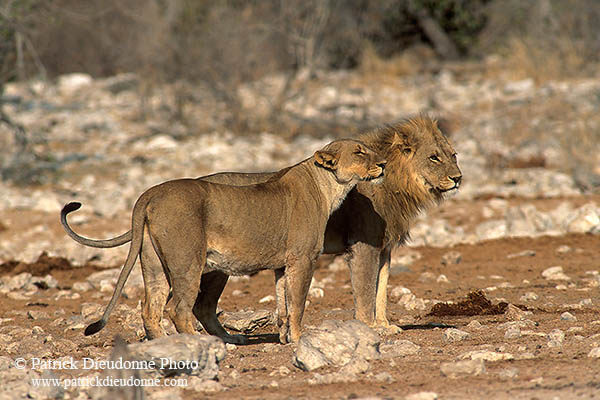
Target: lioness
240, 229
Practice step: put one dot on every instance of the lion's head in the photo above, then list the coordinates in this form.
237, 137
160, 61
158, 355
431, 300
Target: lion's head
421, 162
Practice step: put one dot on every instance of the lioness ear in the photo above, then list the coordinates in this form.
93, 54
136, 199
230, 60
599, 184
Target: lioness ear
326, 159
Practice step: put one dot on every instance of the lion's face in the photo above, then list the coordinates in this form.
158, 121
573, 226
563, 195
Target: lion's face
435, 161
422, 162
351, 160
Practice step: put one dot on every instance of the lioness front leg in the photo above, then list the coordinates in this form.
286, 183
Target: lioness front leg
298, 275
205, 308
281, 303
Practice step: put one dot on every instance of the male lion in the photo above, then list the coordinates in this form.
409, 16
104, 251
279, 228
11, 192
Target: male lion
180, 224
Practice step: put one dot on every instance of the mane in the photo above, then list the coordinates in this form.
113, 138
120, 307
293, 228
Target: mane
402, 195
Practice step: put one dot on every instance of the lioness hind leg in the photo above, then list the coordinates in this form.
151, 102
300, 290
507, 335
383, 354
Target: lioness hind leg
205, 308
156, 289
184, 268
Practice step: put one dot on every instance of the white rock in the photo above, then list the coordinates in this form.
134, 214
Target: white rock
486, 355
463, 368
567, 316
399, 291
267, 299
594, 353
70, 83
555, 274
422, 396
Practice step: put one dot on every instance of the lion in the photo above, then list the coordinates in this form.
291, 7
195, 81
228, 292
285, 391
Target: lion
372, 220
179, 224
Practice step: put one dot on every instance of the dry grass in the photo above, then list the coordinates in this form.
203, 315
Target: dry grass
410, 62
527, 58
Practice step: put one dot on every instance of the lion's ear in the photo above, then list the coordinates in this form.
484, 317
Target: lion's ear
404, 141
326, 159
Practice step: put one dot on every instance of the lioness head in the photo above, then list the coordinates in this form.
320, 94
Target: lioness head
421, 160
350, 160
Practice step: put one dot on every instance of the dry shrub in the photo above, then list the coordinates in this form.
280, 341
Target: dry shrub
542, 39
409, 62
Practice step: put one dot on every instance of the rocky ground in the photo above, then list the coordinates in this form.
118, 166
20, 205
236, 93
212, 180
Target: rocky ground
497, 291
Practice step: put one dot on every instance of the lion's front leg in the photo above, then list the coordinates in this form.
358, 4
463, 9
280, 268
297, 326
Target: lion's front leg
298, 275
381, 297
364, 262
205, 308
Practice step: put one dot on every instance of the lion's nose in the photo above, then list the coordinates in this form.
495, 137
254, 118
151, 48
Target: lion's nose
456, 179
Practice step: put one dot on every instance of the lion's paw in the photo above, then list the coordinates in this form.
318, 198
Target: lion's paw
235, 339
388, 329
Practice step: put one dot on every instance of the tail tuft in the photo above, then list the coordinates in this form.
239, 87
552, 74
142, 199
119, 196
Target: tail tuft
70, 207
95, 327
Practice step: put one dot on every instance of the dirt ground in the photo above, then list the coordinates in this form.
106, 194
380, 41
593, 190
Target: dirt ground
500, 268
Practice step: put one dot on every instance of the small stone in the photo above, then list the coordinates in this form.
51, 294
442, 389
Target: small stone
474, 325
556, 338
459, 369
555, 274
486, 355
37, 330
452, 257
513, 332
230, 346
422, 396
452, 335
529, 296
35, 314
316, 292
567, 316
427, 277
560, 287
563, 249
385, 377
442, 279
398, 348
82, 286
524, 253
399, 291
594, 353
514, 313
267, 299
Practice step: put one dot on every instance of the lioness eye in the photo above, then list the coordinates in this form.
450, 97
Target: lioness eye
454, 156
359, 152
434, 158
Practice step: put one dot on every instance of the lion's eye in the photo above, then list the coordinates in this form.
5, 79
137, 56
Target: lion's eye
359, 152
454, 156
434, 158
